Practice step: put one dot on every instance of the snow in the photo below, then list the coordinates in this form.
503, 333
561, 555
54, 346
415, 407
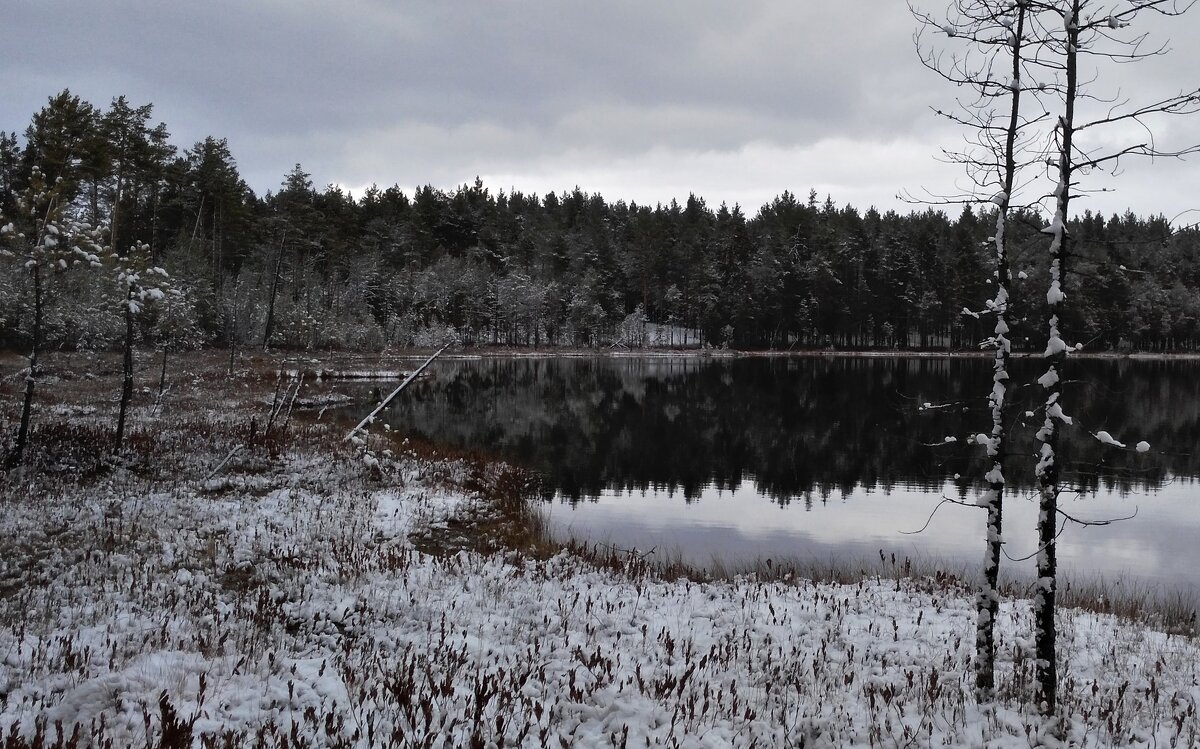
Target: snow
293, 598
1142, 447
1055, 410
1108, 439
1056, 345
1045, 453
322, 373
1055, 295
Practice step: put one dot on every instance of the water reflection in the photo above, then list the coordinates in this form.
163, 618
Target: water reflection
798, 428
722, 457
740, 527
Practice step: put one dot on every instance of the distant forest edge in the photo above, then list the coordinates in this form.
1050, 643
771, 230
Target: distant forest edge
316, 269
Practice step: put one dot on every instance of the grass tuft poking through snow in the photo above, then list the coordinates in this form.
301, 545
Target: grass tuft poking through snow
298, 599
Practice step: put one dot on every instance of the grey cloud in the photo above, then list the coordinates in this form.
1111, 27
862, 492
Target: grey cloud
367, 90
303, 65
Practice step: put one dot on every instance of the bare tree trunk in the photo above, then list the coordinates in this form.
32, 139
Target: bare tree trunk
115, 215
199, 213
1055, 355
162, 374
271, 298
232, 345
988, 602
219, 238
18, 453
154, 243
126, 372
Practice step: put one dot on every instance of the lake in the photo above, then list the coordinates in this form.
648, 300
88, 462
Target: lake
828, 458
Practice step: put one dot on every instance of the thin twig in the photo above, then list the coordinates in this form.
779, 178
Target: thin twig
945, 500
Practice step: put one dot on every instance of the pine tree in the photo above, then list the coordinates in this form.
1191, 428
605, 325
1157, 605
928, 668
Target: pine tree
46, 243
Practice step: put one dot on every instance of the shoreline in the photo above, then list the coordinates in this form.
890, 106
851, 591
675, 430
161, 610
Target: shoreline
300, 589
692, 353
385, 365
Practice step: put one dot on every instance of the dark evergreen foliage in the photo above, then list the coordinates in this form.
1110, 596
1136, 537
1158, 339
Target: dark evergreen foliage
313, 268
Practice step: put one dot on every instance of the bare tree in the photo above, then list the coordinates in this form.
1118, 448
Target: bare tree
1094, 31
990, 62
1022, 54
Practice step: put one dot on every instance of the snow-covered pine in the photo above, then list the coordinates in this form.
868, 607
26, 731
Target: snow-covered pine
138, 283
51, 244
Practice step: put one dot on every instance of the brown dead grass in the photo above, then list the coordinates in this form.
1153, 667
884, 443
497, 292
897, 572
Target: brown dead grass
207, 412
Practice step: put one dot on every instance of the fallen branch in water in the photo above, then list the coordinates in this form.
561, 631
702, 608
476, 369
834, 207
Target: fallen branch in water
383, 404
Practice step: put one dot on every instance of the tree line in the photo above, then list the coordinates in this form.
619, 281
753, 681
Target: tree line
309, 268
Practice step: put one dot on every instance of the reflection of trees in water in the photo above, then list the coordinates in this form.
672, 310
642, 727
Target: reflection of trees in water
806, 427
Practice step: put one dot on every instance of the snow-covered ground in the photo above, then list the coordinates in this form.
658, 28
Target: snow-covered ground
285, 598
280, 594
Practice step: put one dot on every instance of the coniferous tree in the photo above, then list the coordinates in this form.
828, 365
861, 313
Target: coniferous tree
46, 243
135, 156
64, 143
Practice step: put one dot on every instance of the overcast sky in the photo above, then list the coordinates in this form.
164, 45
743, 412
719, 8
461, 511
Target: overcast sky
639, 101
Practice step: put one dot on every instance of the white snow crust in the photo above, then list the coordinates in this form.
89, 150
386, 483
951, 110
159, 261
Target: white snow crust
301, 604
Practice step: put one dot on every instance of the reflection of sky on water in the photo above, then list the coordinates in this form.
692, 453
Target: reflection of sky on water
1160, 545
825, 458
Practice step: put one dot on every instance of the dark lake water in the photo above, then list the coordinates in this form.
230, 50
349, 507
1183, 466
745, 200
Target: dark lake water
823, 458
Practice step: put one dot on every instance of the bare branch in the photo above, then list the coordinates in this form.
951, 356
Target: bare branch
1088, 523
938, 506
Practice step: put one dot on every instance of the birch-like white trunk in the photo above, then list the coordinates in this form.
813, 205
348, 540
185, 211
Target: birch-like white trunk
1047, 470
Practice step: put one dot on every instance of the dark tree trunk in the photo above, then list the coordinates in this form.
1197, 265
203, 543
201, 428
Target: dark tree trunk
162, 375
988, 604
271, 298
1047, 468
126, 373
18, 452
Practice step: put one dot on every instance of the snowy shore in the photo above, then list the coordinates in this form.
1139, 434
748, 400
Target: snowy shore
287, 598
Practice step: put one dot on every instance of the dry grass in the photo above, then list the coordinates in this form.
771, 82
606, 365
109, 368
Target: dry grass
1168, 610
770, 656
206, 413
